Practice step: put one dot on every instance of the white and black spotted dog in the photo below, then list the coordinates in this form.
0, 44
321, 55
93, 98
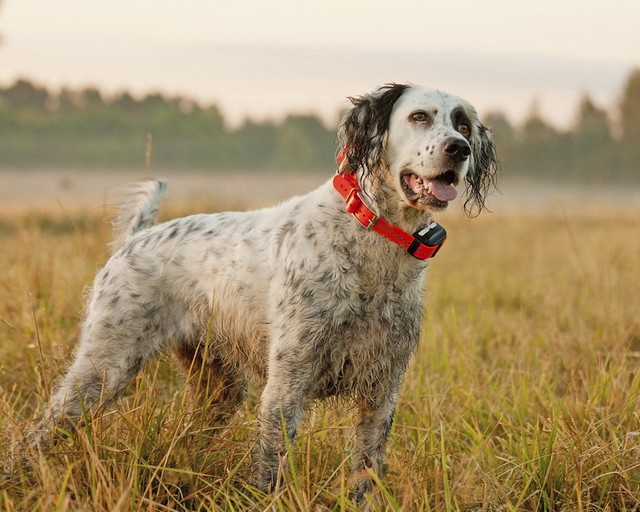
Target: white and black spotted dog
301, 297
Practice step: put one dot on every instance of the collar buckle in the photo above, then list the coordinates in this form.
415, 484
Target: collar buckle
374, 220
353, 202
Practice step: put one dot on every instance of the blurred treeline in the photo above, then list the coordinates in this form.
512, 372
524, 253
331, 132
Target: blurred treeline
85, 129
600, 145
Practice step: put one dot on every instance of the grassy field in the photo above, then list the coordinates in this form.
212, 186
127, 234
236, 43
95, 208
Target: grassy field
524, 393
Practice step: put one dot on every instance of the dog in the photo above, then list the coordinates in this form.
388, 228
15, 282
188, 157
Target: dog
318, 297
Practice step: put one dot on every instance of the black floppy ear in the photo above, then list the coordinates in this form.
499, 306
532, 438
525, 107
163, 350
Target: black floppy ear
483, 170
363, 130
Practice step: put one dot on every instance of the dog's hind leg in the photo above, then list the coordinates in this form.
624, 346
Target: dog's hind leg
111, 352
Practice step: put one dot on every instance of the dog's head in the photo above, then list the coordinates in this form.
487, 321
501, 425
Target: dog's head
425, 141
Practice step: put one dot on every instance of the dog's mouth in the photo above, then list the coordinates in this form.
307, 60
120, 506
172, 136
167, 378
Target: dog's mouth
421, 192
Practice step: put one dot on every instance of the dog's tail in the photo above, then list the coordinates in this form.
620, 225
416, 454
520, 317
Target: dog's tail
138, 209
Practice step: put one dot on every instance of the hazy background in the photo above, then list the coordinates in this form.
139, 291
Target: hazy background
249, 88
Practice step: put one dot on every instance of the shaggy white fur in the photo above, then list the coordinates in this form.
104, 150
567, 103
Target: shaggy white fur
300, 297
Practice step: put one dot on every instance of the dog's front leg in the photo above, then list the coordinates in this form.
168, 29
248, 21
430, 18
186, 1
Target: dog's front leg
375, 419
284, 401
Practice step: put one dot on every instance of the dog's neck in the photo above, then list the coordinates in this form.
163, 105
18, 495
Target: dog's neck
376, 184
424, 243
379, 188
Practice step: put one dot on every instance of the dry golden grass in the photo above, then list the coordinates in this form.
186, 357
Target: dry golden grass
524, 393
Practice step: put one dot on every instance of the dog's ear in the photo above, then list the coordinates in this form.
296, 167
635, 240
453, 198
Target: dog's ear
483, 170
362, 132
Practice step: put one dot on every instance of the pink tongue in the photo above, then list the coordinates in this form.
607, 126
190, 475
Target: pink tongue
441, 190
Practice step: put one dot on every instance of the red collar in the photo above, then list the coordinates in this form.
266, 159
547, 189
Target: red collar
423, 244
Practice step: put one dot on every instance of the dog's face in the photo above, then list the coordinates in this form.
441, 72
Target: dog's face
428, 141
428, 147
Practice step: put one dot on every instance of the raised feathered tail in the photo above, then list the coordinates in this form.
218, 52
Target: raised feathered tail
138, 209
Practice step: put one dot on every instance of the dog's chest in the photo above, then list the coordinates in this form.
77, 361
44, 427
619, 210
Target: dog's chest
372, 329
343, 298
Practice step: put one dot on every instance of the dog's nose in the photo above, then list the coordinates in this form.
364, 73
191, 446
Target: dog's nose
457, 149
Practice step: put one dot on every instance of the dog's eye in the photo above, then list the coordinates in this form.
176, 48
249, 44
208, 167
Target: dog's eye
419, 117
464, 128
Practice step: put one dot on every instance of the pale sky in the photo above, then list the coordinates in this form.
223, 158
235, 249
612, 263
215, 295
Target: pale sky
261, 58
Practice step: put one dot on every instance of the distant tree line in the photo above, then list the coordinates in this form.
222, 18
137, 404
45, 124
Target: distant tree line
599, 147
85, 129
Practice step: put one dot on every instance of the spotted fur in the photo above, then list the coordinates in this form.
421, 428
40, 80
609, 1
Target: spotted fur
299, 297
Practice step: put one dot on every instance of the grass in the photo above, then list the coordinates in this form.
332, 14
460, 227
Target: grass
523, 395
